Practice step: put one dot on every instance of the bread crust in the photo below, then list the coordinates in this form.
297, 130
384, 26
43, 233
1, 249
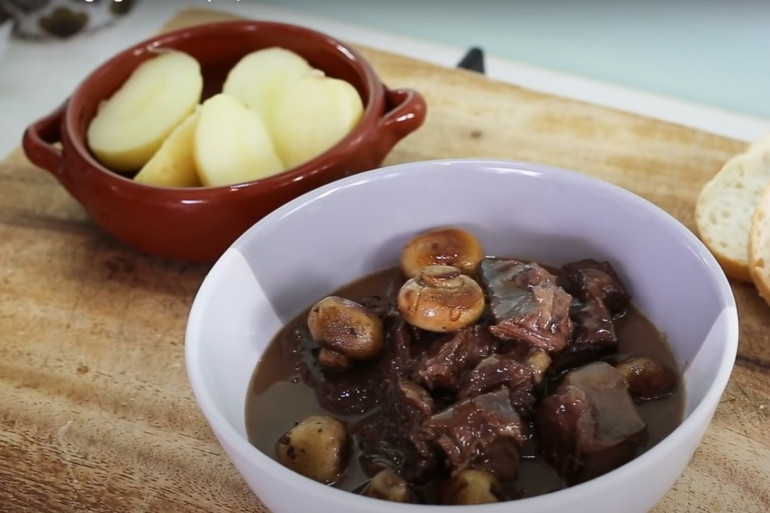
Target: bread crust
759, 247
733, 269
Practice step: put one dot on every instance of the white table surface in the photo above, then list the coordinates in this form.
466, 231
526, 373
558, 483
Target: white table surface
36, 77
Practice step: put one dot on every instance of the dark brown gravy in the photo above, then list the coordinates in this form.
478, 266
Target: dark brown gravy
277, 399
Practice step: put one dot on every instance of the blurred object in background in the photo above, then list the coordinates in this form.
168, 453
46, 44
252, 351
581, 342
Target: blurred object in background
61, 19
6, 25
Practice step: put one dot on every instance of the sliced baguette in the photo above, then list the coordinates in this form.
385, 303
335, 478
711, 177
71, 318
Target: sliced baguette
759, 247
759, 236
761, 144
725, 209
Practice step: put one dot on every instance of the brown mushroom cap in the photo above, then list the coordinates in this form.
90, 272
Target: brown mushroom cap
441, 246
347, 328
441, 299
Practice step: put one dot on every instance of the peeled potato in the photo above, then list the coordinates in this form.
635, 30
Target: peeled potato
173, 165
232, 144
314, 114
131, 125
260, 78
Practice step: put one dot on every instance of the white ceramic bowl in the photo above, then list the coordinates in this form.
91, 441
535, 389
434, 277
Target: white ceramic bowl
347, 229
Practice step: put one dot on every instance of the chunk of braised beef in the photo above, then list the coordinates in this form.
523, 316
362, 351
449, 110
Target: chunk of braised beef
501, 370
397, 356
593, 335
526, 303
598, 296
388, 437
590, 425
484, 432
448, 357
590, 279
413, 399
354, 391
493, 372
648, 379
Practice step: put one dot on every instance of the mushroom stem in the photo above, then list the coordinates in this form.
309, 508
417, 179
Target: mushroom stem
332, 359
442, 276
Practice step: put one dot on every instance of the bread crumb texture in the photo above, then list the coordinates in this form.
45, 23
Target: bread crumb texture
731, 218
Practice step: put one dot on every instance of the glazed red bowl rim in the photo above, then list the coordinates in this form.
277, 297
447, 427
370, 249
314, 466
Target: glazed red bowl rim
371, 82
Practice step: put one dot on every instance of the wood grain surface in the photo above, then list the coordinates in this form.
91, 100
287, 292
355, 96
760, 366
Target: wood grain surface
95, 410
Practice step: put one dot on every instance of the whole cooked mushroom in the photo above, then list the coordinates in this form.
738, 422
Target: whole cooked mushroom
315, 448
345, 330
472, 487
441, 246
647, 378
388, 485
441, 299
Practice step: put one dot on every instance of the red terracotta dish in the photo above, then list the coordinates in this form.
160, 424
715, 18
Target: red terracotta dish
198, 224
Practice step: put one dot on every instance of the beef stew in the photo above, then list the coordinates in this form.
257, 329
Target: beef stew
559, 380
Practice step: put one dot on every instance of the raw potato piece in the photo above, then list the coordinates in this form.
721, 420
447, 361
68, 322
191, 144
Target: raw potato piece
131, 125
173, 165
314, 114
260, 78
725, 209
232, 144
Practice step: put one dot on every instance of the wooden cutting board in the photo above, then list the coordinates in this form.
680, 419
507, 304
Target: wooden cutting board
95, 410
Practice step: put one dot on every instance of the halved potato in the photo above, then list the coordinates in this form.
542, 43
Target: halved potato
232, 144
261, 78
314, 114
173, 165
131, 125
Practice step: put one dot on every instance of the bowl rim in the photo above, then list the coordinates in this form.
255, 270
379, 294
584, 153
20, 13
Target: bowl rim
370, 81
698, 419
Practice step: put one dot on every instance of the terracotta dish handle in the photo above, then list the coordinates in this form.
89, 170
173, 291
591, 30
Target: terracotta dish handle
405, 112
39, 142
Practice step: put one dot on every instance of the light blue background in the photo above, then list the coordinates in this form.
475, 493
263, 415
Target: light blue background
711, 52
